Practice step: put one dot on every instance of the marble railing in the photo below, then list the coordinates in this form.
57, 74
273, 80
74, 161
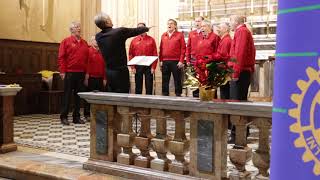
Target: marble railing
202, 153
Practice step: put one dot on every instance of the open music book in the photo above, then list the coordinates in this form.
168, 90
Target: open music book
142, 60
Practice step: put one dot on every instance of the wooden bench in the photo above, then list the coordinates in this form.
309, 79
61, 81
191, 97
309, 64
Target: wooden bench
27, 100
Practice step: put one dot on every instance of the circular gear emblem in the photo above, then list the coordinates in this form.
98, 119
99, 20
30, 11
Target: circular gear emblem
307, 115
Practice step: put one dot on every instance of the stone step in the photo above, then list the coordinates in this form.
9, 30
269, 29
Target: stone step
25, 164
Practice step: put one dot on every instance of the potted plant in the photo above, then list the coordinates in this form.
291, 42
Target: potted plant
208, 75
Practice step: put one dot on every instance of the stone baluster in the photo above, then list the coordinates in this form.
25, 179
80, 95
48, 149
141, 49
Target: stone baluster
261, 157
142, 141
126, 137
160, 142
179, 145
240, 153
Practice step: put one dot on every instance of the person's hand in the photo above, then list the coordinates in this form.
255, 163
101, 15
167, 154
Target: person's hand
62, 75
188, 63
152, 71
160, 64
180, 65
104, 83
133, 70
151, 27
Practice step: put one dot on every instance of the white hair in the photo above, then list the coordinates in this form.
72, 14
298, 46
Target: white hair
206, 22
227, 25
73, 25
239, 19
100, 20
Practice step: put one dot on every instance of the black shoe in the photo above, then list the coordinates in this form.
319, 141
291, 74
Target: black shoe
195, 93
65, 121
232, 141
78, 121
178, 95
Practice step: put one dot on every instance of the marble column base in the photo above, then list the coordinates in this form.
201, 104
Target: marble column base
127, 159
4, 148
142, 161
239, 157
261, 160
240, 175
178, 167
159, 164
260, 177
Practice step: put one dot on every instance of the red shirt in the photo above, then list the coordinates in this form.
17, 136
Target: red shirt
194, 37
172, 48
243, 50
143, 45
207, 45
96, 66
223, 52
73, 55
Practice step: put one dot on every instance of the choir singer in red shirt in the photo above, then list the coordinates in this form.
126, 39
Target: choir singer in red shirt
143, 45
95, 78
244, 52
171, 56
223, 54
72, 62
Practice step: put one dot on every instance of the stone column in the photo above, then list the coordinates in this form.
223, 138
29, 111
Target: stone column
179, 145
103, 133
208, 142
142, 141
126, 138
261, 157
160, 142
240, 153
6, 119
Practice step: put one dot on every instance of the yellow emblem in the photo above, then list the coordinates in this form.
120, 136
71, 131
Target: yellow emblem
305, 114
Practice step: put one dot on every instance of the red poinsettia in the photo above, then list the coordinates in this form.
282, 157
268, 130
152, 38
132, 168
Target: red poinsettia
211, 73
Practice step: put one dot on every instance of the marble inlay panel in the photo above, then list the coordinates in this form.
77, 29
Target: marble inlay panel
101, 135
205, 146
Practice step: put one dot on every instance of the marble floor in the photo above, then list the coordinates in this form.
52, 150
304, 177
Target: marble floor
45, 132
30, 163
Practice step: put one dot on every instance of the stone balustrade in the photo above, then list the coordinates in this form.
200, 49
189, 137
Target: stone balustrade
122, 143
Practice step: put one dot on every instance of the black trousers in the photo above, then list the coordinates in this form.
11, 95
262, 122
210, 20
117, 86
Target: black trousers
169, 67
118, 80
146, 71
94, 84
73, 83
225, 91
239, 89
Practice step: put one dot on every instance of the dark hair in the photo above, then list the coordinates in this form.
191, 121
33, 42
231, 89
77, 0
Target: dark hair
100, 20
202, 18
141, 23
101, 25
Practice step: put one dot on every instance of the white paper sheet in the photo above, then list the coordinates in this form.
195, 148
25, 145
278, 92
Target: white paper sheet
142, 60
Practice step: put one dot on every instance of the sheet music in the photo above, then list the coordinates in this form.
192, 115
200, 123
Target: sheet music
142, 60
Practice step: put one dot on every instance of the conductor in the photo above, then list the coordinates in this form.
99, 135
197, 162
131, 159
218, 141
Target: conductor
111, 42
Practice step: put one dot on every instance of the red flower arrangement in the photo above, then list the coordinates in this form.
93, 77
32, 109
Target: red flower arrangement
211, 73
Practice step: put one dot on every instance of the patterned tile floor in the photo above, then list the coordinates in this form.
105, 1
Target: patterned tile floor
46, 132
